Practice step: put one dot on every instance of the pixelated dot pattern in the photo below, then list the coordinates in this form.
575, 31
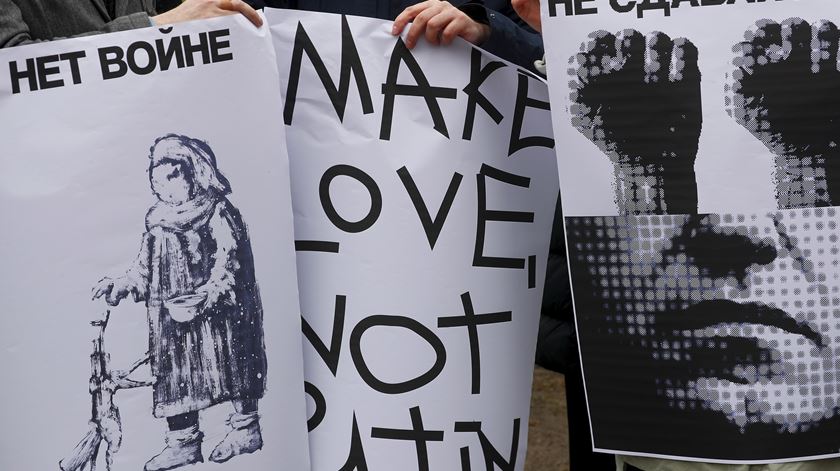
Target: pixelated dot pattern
652, 276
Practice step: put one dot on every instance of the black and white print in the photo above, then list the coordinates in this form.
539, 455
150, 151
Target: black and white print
151, 316
638, 99
195, 273
785, 90
711, 327
700, 185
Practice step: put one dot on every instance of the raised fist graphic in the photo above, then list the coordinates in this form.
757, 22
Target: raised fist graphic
785, 90
638, 99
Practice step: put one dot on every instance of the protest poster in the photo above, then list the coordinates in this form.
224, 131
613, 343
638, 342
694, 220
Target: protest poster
424, 183
148, 167
699, 179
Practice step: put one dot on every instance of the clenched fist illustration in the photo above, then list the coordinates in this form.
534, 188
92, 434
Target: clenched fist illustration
785, 89
638, 99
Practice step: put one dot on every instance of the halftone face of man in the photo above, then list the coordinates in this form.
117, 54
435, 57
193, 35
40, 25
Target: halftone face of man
731, 313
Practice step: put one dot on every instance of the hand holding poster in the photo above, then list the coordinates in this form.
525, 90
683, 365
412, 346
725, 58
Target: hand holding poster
144, 190
424, 185
699, 186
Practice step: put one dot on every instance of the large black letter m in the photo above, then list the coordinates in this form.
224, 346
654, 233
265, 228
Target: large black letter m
350, 64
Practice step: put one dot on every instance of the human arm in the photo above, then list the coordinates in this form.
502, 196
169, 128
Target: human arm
14, 30
134, 281
498, 30
440, 23
529, 11
203, 9
17, 23
510, 38
221, 281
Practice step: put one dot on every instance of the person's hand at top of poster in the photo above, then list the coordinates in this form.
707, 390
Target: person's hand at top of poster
440, 22
202, 9
529, 11
638, 99
785, 90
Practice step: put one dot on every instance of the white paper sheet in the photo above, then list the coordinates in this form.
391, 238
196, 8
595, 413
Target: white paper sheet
74, 195
698, 150
386, 357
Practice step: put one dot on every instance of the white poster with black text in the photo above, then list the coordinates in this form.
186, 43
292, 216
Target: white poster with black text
149, 295
424, 183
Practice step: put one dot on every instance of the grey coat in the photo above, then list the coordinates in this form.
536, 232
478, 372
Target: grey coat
28, 21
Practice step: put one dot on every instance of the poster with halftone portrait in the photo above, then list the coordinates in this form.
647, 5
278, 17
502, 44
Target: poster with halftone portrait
700, 180
149, 295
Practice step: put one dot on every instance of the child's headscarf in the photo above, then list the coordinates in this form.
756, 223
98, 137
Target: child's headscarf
197, 156
210, 185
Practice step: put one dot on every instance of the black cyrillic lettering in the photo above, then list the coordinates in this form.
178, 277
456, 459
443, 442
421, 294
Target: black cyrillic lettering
626, 8
131, 57
573, 7
112, 56
168, 51
44, 72
217, 45
28, 73
73, 59
645, 5
189, 49
552, 7
582, 10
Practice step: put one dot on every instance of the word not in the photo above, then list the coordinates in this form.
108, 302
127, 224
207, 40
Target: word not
577, 7
470, 321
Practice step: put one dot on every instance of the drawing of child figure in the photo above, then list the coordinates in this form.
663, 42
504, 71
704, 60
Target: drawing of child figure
195, 272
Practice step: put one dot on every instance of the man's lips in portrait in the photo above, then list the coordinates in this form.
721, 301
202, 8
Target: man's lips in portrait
713, 313
721, 355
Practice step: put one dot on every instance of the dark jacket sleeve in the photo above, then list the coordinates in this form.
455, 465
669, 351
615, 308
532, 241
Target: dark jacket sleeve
556, 346
15, 32
557, 297
510, 38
